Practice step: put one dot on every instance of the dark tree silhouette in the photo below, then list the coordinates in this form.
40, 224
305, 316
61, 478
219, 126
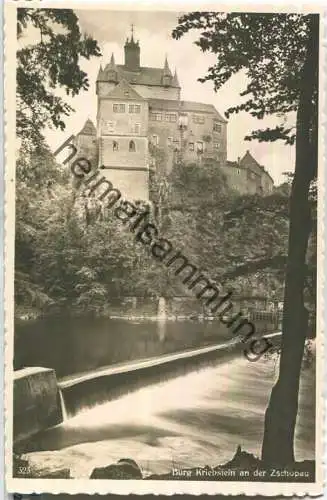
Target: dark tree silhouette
52, 62
279, 54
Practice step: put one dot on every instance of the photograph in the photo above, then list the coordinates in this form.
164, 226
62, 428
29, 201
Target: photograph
163, 223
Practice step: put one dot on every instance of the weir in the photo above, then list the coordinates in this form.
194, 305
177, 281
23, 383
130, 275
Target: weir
48, 401
86, 390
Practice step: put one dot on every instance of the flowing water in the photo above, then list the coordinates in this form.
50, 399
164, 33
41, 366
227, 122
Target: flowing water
192, 420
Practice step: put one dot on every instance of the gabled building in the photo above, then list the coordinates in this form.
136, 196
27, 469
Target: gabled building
138, 105
247, 176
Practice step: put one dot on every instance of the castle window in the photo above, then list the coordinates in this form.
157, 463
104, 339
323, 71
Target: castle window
115, 146
198, 119
136, 128
155, 140
118, 108
134, 108
156, 117
216, 145
170, 117
217, 127
176, 145
131, 147
108, 127
191, 146
199, 146
169, 141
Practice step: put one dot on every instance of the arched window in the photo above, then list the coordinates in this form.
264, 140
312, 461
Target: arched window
115, 146
131, 146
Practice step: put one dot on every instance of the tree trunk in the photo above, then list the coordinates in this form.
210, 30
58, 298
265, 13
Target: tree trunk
281, 414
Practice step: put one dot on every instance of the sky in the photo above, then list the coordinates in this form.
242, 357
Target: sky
153, 29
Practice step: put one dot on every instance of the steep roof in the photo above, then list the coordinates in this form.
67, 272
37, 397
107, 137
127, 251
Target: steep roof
175, 82
111, 65
166, 70
198, 107
124, 91
251, 163
144, 76
88, 129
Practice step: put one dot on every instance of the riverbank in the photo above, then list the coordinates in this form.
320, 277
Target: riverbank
243, 466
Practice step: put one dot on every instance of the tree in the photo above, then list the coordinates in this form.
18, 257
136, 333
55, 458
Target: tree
44, 66
279, 55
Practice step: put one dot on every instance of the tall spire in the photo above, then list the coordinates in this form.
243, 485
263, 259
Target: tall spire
166, 67
175, 81
132, 32
100, 73
110, 71
166, 74
112, 64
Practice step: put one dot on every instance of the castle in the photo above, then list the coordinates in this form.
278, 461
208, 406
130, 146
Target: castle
139, 106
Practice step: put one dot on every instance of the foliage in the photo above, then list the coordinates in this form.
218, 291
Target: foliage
189, 182
72, 254
269, 48
42, 67
279, 54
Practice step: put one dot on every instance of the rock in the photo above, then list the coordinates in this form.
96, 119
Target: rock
241, 459
125, 468
53, 474
23, 468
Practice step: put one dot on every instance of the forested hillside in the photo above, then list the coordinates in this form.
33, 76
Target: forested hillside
72, 254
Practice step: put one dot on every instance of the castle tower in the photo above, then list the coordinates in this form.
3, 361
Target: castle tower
132, 53
107, 78
123, 140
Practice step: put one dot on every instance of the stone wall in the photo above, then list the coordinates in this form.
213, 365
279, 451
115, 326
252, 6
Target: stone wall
36, 401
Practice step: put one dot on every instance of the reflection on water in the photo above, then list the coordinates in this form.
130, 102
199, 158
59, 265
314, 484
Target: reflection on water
72, 345
195, 419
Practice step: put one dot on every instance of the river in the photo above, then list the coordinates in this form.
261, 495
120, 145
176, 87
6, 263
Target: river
195, 419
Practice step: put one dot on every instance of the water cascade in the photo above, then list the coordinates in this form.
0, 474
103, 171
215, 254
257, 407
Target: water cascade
63, 406
162, 318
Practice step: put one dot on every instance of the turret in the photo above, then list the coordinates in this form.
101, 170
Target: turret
175, 81
110, 71
100, 77
166, 75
